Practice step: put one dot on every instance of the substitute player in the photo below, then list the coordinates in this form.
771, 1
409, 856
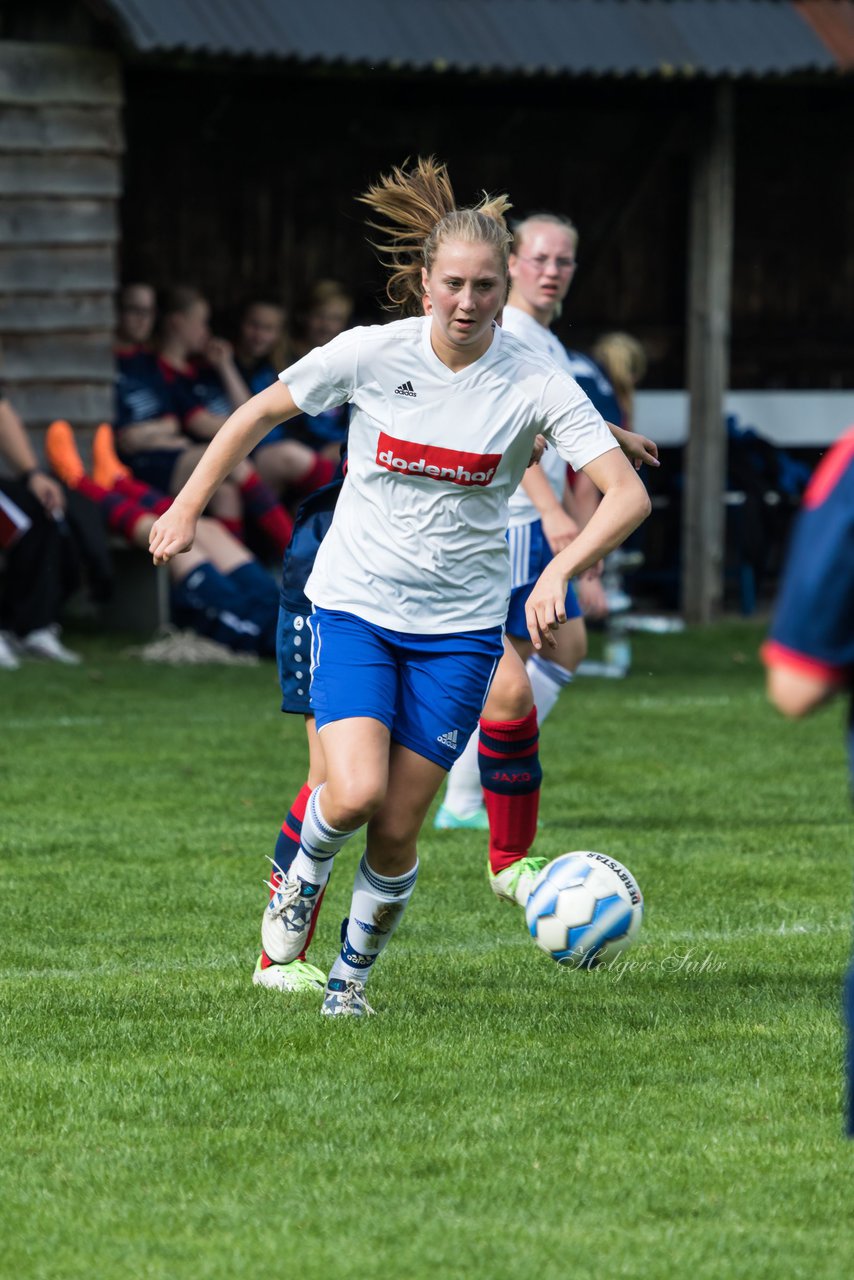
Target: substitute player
445, 410
810, 649
542, 266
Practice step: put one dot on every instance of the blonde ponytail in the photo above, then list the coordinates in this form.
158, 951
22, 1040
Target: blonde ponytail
419, 212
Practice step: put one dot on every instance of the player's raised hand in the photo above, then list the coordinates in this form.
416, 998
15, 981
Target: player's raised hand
545, 608
171, 533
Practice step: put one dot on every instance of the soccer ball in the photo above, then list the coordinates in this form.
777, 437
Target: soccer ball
584, 908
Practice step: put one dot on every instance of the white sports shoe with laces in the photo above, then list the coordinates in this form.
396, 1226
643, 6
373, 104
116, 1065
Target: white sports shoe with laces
45, 643
345, 998
287, 918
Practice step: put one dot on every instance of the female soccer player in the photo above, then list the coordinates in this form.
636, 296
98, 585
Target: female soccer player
445, 410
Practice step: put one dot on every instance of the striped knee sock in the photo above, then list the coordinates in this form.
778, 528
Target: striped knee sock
319, 843
122, 513
267, 512
287, 844
510, 774
133, 488
376, 909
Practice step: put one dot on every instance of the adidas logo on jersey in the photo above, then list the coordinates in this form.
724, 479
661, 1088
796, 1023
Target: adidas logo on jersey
448, 739
406, 389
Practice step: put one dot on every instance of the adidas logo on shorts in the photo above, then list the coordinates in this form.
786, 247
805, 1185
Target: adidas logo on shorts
448, 739
406, 389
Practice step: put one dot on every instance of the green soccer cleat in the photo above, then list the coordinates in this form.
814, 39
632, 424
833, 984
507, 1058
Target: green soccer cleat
298, 975
513, 884
447, 820
345, 998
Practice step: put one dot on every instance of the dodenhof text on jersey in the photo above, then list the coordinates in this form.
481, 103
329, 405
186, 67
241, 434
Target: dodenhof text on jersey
435, 462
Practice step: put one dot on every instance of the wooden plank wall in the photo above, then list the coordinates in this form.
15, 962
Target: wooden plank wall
60, 181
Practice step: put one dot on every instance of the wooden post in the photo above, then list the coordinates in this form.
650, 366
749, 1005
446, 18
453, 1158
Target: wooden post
710, 274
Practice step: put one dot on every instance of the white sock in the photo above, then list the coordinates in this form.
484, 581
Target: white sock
464, 794
547, 680
318, 844
376, 909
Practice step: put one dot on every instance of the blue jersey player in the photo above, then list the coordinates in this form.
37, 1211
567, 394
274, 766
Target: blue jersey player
810, 650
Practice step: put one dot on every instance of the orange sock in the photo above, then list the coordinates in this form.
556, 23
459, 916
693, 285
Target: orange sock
62, 454
106, 467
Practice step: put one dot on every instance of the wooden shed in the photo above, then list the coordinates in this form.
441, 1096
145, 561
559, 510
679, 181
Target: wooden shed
60, 183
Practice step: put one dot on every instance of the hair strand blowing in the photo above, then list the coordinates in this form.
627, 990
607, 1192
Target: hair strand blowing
415, 211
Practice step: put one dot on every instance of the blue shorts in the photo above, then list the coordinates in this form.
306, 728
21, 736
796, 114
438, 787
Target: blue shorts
293, 659
530, 553
427, 690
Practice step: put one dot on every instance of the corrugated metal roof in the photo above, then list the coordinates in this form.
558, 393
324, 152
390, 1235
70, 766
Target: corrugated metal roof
572, 37
833, 23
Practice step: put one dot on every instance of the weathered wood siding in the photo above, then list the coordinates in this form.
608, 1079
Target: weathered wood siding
60, 181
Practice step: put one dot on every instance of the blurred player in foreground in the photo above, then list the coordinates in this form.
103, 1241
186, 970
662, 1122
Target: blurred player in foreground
810, 649
445, 412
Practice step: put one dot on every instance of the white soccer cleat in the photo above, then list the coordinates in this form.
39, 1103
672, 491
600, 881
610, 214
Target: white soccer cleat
345, 998
287, 917
8, 658
513, 884
45, 643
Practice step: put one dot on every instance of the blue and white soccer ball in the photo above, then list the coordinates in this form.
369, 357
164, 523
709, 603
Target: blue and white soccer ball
584, 908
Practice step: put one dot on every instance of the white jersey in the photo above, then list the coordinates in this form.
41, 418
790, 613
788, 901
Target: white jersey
417, 542
541, 339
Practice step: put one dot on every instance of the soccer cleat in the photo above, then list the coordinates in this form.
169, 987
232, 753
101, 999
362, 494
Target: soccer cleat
62, 454
513, 884
45, 643
447, 820
299, 975
8, 657
106, 465
345, 998
287, 918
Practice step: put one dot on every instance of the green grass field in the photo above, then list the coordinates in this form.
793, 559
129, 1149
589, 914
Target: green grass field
501, 1117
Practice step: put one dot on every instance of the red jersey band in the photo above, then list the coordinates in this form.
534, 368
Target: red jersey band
411, 458
774, 654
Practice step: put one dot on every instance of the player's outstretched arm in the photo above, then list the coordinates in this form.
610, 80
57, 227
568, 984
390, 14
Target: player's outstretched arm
625, 504
174, 531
